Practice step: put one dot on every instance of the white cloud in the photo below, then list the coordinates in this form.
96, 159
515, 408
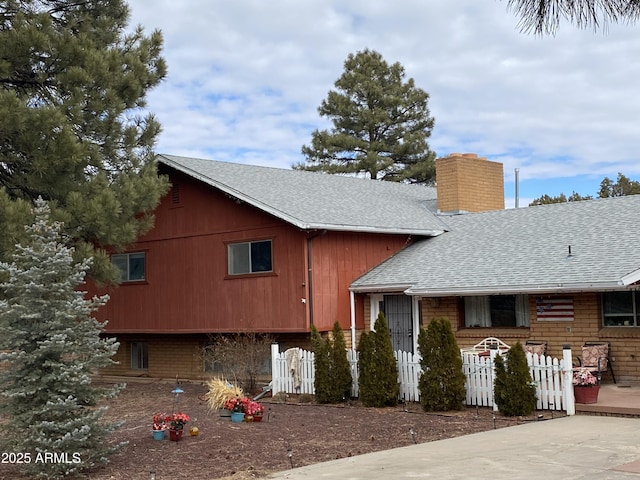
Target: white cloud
246, 78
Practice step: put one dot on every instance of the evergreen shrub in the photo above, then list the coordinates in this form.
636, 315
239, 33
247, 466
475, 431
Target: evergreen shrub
442, 383
332, 371
514, 391
378, 369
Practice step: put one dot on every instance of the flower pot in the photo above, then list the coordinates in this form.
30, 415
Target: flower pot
257, 418
175, 435
237, 417
586, 394
158, 434
248, 418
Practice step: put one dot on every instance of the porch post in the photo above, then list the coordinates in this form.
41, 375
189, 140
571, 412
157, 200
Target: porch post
352, 300
493, 351
275, 371
415, 327
567, 380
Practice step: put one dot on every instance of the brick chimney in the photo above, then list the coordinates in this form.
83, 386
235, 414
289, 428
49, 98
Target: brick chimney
468, 183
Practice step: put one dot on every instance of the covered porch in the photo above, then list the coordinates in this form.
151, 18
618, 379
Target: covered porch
622, 399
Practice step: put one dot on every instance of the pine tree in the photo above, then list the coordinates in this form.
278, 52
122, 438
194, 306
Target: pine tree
52, 346
380, 124
514, 391
608, 188
544, 16
72, 86
378, 369
442, 383
339, 365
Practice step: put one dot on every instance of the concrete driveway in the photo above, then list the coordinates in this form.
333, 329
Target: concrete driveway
576, 447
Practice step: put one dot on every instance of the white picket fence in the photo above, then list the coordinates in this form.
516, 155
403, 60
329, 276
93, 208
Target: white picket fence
551, 376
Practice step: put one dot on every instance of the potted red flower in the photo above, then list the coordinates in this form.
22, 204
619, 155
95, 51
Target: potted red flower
160, 421
176, 425
237, 408
585, 386
255, 410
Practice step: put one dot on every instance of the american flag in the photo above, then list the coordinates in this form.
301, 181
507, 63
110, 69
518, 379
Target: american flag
555, 309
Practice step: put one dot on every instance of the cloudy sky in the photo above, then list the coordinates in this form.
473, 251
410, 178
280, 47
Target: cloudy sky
246, 78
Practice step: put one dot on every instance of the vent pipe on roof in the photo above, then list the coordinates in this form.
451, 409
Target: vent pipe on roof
517, 187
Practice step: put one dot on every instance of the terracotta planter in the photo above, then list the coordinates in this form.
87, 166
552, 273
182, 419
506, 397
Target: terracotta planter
175, 435
586, 394
257, 418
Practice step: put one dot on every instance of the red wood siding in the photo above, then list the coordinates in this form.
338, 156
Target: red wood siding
187, 287
338, 258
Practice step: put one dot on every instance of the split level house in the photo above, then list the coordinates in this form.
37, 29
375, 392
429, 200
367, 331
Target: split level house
239, 248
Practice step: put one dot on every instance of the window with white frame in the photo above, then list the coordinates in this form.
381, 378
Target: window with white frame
139, 355
496, 311
250, 257
620, 309
132, 266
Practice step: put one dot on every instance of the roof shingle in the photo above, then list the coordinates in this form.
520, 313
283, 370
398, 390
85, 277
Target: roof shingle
522, 251
312, 200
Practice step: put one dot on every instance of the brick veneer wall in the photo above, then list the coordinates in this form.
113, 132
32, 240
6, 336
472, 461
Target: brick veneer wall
169, 356
586, 326
180, 355
466, 182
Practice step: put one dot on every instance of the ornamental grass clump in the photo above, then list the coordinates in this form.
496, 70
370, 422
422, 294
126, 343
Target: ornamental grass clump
219, 392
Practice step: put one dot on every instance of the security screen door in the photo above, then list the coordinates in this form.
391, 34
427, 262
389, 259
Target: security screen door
398, 312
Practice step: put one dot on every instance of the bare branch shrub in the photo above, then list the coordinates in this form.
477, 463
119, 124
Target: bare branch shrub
239, 357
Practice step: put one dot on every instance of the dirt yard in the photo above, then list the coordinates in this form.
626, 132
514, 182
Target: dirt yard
292, 434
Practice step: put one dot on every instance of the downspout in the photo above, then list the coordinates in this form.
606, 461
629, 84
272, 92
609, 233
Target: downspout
309, 274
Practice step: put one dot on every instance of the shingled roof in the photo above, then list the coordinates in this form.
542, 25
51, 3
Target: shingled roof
572, 247
311, 200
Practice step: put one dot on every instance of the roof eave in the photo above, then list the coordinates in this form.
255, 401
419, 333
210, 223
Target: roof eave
630, 279
517, 289
372, 229
380, 288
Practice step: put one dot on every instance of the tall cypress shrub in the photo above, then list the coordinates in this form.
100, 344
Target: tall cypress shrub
441, 384
322, 380
339, 368
514, 391
332, 370
378, 369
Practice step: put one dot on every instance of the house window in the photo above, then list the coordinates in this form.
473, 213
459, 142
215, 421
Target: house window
131, 266
250, 257
620, 309
496, 311
139, 355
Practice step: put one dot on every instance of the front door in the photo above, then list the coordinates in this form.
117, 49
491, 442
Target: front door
398, 312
